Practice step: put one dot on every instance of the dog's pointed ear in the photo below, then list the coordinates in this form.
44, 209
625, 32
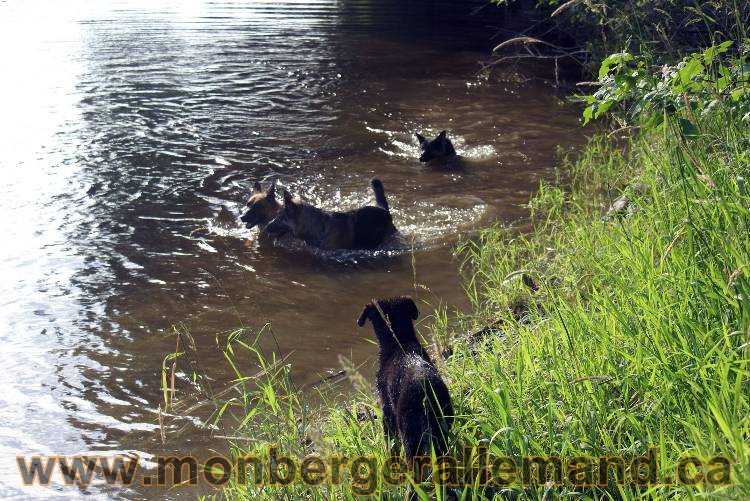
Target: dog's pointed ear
413, 311
364, 315
441, 136
271, 192
288, 199
256, 187
421, 138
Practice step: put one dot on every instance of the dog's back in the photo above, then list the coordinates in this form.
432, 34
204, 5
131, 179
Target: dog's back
363, 228
422, 405
372, 225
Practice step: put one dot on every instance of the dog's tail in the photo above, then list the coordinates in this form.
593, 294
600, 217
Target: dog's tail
377, 188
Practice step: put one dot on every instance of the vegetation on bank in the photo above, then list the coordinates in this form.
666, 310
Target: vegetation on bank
619, 322
584, 32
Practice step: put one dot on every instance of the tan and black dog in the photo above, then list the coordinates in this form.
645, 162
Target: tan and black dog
262, 206
364, 228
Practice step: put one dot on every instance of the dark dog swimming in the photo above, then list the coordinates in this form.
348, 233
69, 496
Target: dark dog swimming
364, 228
416, 404
438, 149
262, 206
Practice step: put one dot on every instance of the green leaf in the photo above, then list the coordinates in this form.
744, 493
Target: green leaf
737, 93
688, 128
654, 121
724, 46
604, 107
611, 60
588, 114
710, 54
690, 70
722, 83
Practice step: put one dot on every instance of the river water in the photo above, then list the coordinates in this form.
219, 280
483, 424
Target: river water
131, 130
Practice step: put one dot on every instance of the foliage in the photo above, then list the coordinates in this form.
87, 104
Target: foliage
670, 28
703, 83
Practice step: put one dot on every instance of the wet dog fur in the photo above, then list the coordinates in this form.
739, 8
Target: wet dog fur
438, 149
416, 404
262, 207
363, 228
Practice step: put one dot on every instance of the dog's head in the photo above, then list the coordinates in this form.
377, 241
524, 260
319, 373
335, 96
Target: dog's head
435, 149
262, 206
400, 312
286, 219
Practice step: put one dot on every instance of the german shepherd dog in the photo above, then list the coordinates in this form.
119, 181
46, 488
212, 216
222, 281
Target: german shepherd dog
364, 228
439, 148
262, 206
416, 404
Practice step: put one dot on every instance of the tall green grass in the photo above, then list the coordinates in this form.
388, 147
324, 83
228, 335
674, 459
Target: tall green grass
592, 334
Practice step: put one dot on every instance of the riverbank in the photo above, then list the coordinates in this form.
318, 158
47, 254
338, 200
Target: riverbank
599, 333
619, 325
608, 336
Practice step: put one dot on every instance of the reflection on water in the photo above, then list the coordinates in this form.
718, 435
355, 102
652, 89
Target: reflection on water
129, 127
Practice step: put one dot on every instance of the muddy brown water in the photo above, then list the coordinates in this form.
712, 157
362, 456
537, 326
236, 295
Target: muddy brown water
128, 127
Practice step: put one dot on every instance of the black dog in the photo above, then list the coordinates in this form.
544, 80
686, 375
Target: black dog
364, 228
416, 404
439, 148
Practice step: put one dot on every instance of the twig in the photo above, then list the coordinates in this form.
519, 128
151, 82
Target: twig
161, 427
565, 6
528, 40
172, 389
621, 129
327, 379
